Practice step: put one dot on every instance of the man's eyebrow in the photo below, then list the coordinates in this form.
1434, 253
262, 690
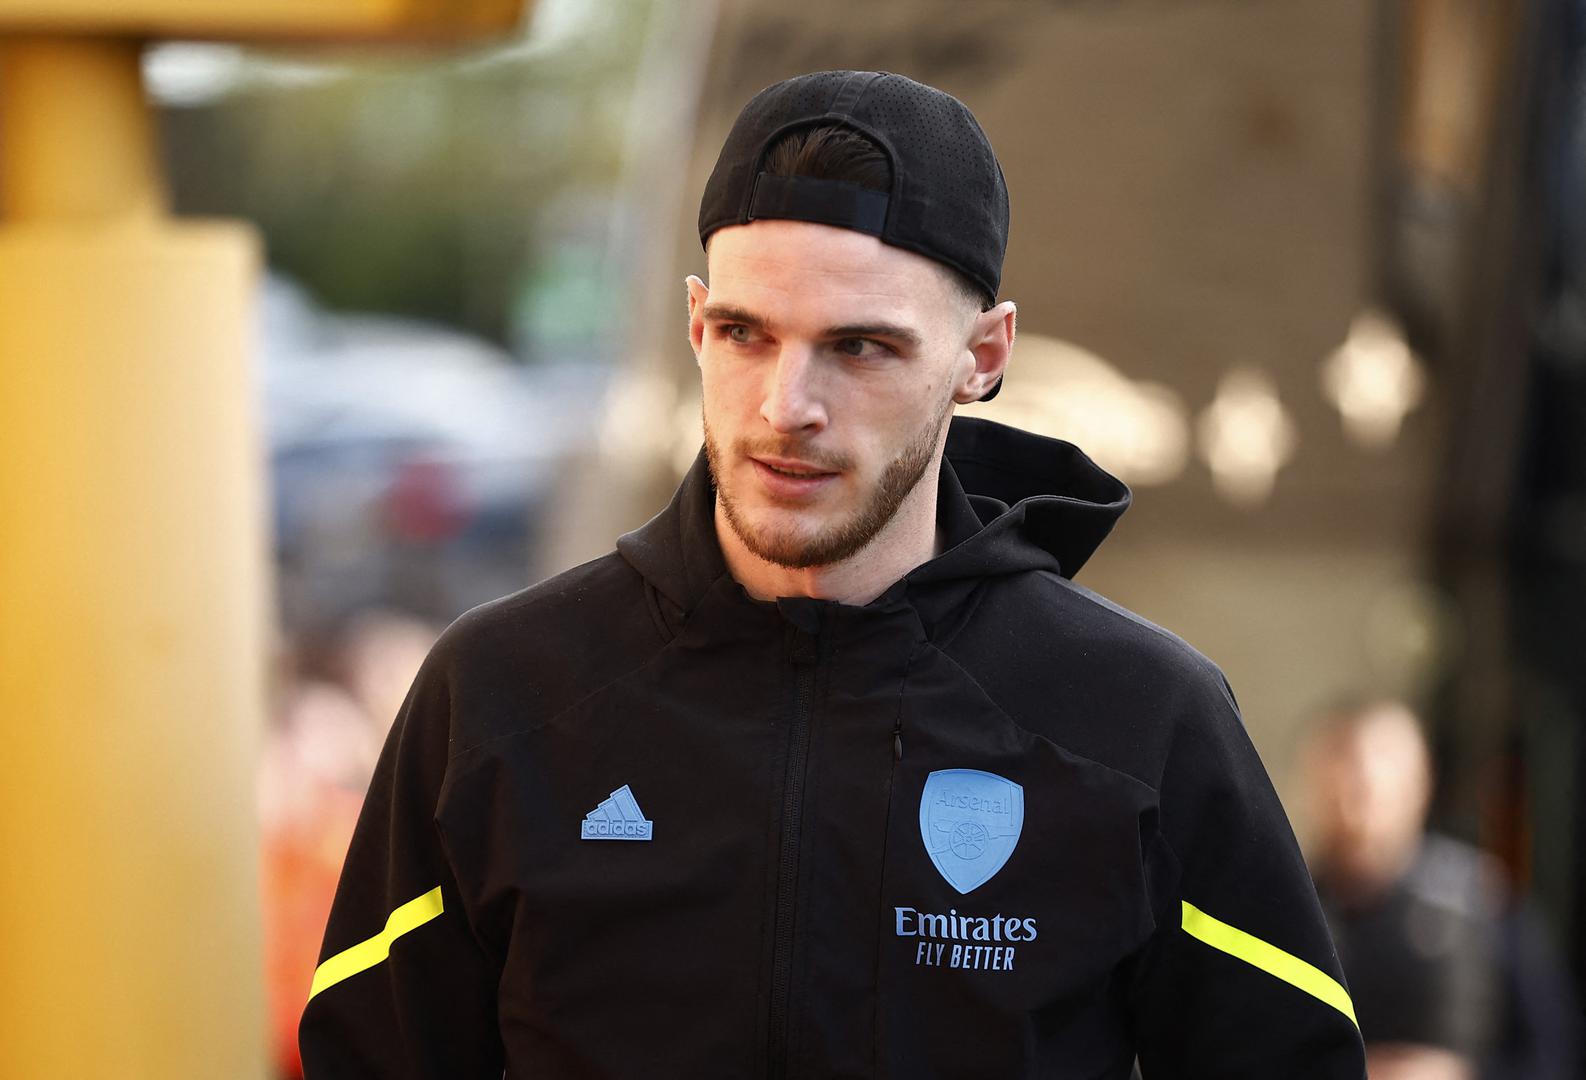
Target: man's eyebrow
732, 313
901, 334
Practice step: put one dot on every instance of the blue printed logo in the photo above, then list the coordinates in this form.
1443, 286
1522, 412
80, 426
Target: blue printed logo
618, 818
970, 821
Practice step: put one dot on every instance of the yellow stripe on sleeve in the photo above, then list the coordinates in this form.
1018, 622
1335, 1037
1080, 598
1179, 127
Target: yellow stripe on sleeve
366, 954
1269, 958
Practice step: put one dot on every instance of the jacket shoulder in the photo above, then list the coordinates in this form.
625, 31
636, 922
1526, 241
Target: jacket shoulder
516, 661
1179, 666
1091, 675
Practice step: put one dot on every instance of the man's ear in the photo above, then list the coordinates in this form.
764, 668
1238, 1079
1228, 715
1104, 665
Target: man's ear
698, 293
987, 352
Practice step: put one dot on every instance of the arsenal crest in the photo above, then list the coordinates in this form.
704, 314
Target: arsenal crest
970, 821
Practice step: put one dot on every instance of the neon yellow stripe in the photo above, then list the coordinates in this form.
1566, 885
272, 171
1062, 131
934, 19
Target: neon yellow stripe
1269, 958
366, 954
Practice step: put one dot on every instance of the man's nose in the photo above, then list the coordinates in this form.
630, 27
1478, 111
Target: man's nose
794, 399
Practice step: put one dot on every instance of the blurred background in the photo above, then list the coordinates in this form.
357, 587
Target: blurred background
1310, 275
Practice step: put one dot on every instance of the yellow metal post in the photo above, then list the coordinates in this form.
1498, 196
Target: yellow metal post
132, 595
133, 577
77, 134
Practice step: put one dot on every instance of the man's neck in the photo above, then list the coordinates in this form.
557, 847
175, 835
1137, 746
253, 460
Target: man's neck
905, 542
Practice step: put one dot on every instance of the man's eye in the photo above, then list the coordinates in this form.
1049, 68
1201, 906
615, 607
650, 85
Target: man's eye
738, 334
859, 347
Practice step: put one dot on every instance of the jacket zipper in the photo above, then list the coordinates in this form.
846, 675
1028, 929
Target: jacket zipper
787, 872
886, 826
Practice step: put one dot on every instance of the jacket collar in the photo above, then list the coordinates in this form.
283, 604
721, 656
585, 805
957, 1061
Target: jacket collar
1033, 503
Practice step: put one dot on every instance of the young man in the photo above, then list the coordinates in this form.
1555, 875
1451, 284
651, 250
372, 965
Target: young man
830, 769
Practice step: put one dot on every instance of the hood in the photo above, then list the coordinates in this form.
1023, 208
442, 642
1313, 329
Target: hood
1036, 503
1008, 501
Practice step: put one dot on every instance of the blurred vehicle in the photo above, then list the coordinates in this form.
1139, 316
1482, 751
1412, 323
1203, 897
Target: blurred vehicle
409, 462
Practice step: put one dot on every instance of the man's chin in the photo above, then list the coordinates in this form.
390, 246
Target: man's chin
782, 539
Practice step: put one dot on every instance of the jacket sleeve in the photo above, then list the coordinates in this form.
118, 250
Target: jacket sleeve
404, 988
1240, 978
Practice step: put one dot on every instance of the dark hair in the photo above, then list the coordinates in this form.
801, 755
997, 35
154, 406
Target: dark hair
833, 152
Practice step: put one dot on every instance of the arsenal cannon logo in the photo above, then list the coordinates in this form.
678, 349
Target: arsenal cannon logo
970, 821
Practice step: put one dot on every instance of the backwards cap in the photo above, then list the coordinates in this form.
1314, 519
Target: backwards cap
948, 200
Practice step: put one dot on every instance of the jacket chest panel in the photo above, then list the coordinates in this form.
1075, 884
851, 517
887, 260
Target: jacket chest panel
628, 847
981, 876
1013, 892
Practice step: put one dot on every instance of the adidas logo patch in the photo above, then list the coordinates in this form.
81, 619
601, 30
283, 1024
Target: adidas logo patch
618, 818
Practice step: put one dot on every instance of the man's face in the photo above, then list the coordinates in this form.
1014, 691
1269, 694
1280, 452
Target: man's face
829, 364
1370, 783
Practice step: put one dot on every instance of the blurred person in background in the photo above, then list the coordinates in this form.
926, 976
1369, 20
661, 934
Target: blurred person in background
830, 769
330, 715
1451, 980
380, 652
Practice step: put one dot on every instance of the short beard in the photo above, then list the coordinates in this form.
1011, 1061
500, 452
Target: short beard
786, 547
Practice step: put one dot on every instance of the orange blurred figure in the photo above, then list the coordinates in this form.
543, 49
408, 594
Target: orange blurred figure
311, 785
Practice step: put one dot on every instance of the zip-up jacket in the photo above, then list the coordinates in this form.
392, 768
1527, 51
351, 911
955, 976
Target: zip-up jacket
632, 822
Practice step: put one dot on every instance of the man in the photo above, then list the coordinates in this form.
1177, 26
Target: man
830, 769
1415, 916
1454, 980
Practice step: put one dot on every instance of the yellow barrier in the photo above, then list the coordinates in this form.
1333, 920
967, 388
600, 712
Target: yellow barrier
133, 581
131, 654
132, 597
318, 20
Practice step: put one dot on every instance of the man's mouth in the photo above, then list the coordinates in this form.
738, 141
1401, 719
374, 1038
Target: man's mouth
788, 479
796, 469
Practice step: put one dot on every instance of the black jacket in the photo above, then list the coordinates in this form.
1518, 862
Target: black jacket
633, 823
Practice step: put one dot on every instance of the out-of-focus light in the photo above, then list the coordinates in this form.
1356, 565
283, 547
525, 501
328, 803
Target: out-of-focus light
1137, 430
1246, 436
294, 73
1373, 379
190, 73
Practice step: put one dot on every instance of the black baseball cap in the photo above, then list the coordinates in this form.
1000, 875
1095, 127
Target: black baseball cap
948, 200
